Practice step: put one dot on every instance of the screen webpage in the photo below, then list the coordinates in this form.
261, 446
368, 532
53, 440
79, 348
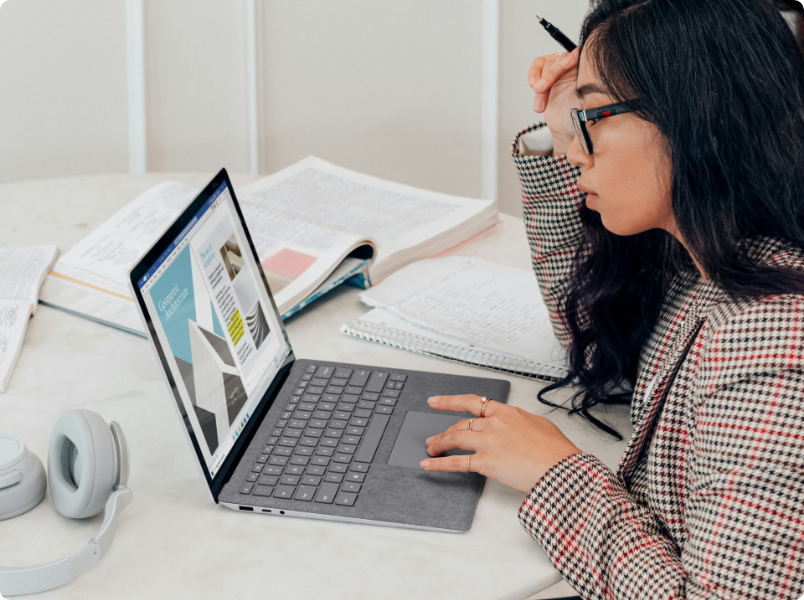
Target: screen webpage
219, 333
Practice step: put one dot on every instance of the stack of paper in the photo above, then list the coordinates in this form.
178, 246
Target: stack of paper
21, 273
466, 310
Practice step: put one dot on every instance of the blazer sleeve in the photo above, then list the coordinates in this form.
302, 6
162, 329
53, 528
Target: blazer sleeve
551, 205
744, 481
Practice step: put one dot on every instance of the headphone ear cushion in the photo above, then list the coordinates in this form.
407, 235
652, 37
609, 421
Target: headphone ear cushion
81, 464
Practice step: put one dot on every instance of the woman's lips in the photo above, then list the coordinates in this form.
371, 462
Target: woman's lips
591, 197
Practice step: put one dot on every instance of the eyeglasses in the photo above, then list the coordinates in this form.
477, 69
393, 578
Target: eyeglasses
581, 117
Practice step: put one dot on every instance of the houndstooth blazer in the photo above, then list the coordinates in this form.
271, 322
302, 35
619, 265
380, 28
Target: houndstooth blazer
708, 499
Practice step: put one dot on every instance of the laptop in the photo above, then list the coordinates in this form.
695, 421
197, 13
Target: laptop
279, 435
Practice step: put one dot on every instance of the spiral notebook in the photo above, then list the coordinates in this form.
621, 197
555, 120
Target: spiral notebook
465, 310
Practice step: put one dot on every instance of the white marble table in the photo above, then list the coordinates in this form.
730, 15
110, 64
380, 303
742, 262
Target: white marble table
173, 542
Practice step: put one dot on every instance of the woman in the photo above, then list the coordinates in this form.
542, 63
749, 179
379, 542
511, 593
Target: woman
668, 241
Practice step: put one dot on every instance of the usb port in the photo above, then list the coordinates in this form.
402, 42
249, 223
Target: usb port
249, 508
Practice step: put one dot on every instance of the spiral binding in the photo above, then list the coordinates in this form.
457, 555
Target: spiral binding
411, 342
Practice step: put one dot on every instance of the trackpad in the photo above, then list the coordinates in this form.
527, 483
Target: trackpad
410, 448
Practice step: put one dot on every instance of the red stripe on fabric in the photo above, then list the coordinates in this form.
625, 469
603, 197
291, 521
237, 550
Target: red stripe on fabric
784, 434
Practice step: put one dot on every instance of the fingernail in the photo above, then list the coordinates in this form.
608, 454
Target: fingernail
428, 440
538, 106
433, 400
565, 62
425, 464
540, 85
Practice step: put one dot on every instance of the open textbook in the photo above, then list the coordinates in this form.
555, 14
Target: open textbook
465, 310
314, 225
21, 273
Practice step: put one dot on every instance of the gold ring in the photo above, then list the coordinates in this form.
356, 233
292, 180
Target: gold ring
471, 422
468, 460
485, 402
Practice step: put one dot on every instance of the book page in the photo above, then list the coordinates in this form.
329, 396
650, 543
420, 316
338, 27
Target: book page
476, 301
22, 270
110, 250
13, 320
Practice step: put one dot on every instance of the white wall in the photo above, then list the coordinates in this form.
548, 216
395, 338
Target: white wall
391, 88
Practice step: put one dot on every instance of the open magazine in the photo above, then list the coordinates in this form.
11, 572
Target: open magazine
314, 225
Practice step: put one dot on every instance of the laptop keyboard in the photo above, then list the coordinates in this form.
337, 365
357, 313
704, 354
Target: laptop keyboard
321, 448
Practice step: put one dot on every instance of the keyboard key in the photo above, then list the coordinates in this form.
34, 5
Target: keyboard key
326, 493
246, 489
263, 490
362, 413
288, 442
388, 401
281, 451
332, 398
300, 460
289, 480
344, 407
268, 479
294, 470
298, 423
385, 410
282, 423
314, 433
305, 493
338, 381
252, 477
398, 377
324, 451
338, 424
293, 433
372, 440
359, 467
351, 487
311, 398
318, 423
311, 368
328, 406
272, 470
258, 468
353, 430
333, 390
342, 415
357, 422
334, 477
308, 441
350, 399
302, 415
267, 449
320, 382
354, 440
286, 415
345, 449
342, 458
307, 377
324, 371
304, 450
370, 396
307, 406
284, 491
272, 440
303, 384
298, 391
399, 385
315, 470
276, 432
338, 467
322, 414
311, 480
320, 460
328, 442
345, 499
391, 393
333, 433
359, 378
377, 381
343, 372
352, 390
356, 477
390, 385
263, 458
315, 389
367, 404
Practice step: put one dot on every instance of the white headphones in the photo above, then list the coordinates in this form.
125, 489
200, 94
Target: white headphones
88, 467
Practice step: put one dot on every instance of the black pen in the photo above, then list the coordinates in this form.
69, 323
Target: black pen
557, 35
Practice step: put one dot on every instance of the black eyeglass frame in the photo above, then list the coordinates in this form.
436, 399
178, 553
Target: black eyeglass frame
581, 117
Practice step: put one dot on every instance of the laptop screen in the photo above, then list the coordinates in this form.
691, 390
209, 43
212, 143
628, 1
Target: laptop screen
220, 336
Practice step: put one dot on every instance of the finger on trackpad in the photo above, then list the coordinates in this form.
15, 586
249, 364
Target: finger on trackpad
410, 448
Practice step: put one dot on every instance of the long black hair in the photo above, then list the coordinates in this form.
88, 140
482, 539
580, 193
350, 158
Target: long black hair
723, 81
